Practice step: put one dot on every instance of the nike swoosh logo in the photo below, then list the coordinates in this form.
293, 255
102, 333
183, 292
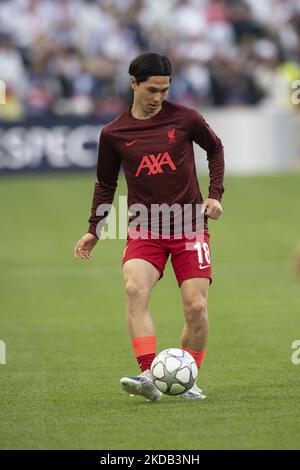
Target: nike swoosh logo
203, 267
128, 144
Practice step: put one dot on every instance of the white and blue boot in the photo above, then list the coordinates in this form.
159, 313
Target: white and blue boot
194, 392
141, 385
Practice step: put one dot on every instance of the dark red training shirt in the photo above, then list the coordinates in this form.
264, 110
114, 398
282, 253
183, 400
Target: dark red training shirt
157, 158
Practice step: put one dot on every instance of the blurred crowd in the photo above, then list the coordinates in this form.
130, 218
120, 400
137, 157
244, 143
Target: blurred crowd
71, 57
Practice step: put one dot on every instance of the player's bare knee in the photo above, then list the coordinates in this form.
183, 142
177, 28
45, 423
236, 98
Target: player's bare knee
134, 291
196, 312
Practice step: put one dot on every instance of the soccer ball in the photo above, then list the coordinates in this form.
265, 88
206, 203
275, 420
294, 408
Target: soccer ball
174, 371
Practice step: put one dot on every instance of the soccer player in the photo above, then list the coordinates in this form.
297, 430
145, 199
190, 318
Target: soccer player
152, 139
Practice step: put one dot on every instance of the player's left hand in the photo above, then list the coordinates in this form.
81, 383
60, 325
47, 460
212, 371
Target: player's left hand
212, 208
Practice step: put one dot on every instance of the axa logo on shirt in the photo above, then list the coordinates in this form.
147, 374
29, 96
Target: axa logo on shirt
154, 163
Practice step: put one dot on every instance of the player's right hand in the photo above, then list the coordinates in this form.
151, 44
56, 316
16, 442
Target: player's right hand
85, 245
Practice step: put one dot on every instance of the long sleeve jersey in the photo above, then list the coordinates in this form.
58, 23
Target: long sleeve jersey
157, 158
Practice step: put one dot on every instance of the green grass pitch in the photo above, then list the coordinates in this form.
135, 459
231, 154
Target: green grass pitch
67, 344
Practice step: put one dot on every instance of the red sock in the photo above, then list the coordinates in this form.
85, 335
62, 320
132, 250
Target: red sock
144, 349
197, 355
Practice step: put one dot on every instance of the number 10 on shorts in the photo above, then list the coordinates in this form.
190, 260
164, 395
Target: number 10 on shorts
203, 254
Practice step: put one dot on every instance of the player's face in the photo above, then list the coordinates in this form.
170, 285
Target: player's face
149, 95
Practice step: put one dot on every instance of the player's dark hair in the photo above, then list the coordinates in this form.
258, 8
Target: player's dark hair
150, 64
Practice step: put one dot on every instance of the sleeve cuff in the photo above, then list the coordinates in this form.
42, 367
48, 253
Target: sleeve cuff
215, 194
92, 230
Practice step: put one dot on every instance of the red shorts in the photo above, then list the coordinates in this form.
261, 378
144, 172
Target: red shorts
189, 258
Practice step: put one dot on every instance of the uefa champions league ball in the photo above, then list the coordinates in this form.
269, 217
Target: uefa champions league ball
174, 371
